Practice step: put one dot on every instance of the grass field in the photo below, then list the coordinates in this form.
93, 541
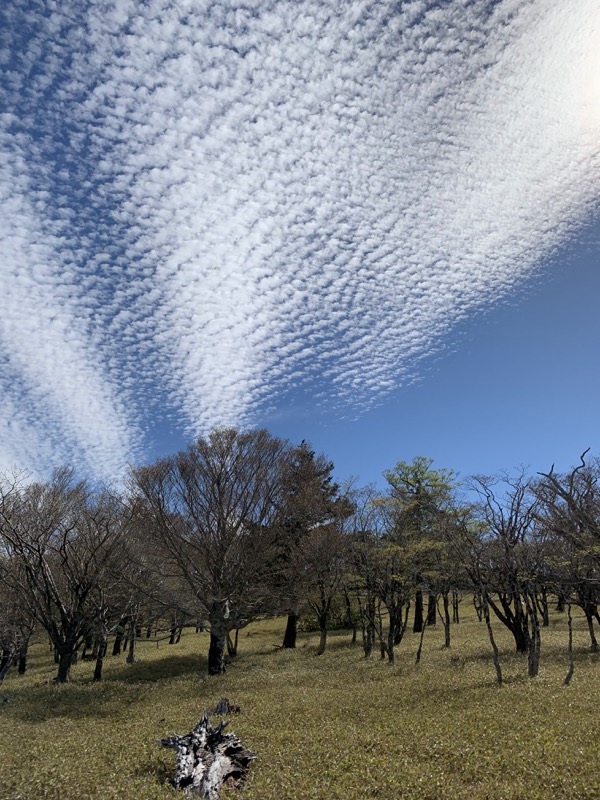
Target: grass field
335, 726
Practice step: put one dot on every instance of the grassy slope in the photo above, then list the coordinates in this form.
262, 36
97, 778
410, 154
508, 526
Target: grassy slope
331, 727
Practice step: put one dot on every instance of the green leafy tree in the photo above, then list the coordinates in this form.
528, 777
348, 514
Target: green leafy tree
418, 497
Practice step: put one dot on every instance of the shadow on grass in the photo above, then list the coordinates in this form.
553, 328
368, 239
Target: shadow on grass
309, 641
75, 701
158, 769
82, 698
171, 666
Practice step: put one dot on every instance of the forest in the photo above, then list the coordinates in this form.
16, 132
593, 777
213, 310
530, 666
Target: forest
244, 533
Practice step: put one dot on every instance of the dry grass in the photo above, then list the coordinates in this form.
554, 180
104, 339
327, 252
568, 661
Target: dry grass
337, 726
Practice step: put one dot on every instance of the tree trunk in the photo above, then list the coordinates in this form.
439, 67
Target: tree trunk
6, 662
351, 621
534, 643
431, 609
368, 637
87, 645
390, 645
455, 602
131, 659
216, 654
232, 644
291, 631
516, 621
366, 607
65, 660
400, 624
542, 606
218, 637
569, 675
420, 648
478, 606
383, 651
418, 619
22, 665
486, 614
102, 648
445, 617
7, 656
521, 639
120, 633
323, 636
590, 622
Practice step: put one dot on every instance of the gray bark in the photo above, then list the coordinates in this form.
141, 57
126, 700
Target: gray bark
208, 759
569, 675
496, 655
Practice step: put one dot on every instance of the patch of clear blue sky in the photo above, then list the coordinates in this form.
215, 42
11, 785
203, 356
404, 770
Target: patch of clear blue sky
518, 385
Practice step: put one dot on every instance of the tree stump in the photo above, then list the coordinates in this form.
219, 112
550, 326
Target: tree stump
225, 706
207, 758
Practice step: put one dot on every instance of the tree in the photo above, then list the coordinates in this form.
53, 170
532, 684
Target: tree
325, 550
16, 621
310, 500
211, 510
570, 511
382, 573
446, 574
505, 567
363, 578
62, 540
417, 496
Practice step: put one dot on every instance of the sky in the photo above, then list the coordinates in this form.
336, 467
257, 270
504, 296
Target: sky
371, 225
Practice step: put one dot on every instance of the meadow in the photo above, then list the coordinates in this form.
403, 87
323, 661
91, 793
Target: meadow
334, 726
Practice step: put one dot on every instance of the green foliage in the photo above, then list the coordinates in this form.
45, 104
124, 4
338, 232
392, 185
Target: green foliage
338, 726
337, 620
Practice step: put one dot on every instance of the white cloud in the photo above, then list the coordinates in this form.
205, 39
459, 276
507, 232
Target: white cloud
248, 198
56, 403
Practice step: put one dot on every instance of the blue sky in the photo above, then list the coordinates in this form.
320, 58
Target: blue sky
370, 225
516, 387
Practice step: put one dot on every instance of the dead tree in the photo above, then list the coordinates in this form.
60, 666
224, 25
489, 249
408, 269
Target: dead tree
207, 759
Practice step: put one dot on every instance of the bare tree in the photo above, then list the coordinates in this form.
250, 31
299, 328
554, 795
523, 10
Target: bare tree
16, 620
570, 512
212, 511
61, 540
364, 529
505, 566
325, 551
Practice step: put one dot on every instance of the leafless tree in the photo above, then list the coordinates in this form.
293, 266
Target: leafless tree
325, 561
211, 510
570, 511
504, 569
16, 620
61, 539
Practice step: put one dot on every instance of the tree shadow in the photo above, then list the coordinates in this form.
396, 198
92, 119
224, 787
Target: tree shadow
171, 666
158, 769
39, 704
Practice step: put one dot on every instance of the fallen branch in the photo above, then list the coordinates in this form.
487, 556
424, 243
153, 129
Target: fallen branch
207, 759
